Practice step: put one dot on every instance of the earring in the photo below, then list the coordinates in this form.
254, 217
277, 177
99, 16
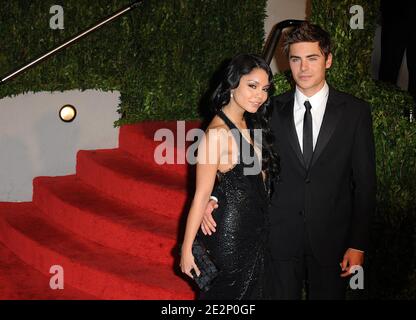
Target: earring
232, 95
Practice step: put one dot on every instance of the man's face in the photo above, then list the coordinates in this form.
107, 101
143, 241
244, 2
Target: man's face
308, 65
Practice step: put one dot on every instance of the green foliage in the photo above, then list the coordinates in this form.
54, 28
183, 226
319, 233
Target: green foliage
160, 56
282, 82
93, 63
178, 46
352, 48
391, 267
392, 259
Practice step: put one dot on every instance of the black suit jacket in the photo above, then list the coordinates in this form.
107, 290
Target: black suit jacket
334, 198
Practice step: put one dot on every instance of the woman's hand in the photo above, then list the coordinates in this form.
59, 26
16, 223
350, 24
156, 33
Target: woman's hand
208, 223
188, 263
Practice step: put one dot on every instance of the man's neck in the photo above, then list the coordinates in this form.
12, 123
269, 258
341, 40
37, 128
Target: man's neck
312, 91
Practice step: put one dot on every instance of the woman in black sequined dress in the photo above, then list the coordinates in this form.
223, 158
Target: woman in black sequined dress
236, 163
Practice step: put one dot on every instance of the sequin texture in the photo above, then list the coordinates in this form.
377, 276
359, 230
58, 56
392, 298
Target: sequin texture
239, 245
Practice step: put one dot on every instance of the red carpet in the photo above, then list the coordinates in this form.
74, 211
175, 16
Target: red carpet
113, 226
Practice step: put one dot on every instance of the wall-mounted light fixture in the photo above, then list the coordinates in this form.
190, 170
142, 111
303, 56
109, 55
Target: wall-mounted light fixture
67, 113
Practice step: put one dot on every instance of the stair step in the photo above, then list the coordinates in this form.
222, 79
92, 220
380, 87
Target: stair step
148, 129
19, 281
107, 221
119, 175
138, 140
113, 226
90, 267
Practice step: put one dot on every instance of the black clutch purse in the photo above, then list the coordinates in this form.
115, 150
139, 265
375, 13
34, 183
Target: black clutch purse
205, 264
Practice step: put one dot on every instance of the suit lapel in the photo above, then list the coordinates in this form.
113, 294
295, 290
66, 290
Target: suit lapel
332, 115
288, 122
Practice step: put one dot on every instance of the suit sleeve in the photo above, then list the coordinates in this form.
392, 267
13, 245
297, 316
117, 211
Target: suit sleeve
364, 181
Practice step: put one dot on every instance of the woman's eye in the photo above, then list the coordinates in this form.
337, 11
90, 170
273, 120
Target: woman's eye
253, 86
266, 89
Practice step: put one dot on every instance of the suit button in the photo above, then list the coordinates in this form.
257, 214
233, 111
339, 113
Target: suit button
307, 180
301, 213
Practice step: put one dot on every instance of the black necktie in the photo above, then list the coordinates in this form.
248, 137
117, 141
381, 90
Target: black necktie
307, 135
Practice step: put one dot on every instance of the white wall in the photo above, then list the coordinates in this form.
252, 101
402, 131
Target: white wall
34, 141
279, 10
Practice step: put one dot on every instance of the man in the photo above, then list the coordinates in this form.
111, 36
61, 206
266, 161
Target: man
325, 195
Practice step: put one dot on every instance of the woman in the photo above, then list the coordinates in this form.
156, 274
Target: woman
227, 157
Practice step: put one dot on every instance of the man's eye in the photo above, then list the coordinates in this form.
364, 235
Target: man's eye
295, 59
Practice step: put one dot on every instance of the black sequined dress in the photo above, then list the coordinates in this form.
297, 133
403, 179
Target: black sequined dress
239, 245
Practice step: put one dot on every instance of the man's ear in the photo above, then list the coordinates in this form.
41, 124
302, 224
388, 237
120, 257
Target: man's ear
328, 62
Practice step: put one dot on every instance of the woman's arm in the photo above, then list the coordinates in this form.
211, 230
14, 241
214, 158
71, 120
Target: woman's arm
206, 170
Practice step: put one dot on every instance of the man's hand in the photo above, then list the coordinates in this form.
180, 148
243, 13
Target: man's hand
352, 257
208, 223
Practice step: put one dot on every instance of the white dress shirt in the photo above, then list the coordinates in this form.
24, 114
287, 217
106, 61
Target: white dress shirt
318, 102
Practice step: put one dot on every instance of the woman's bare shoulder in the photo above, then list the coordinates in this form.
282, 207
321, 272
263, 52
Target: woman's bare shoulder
216, 131
216, 124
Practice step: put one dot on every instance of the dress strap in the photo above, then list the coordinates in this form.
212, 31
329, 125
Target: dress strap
235, 132
229, 123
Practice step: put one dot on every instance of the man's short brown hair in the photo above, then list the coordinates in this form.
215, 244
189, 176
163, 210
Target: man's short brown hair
308, 32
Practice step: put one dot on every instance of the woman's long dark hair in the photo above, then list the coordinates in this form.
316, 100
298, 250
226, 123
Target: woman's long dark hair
239, 66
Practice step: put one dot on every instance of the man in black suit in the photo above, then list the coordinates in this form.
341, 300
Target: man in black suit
325, 195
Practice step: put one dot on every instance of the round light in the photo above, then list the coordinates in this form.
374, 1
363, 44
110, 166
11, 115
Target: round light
67, 113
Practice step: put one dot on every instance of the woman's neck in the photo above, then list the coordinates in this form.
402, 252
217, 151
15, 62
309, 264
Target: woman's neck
235, 114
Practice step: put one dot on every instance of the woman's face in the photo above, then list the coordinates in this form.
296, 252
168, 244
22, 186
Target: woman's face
251, 92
